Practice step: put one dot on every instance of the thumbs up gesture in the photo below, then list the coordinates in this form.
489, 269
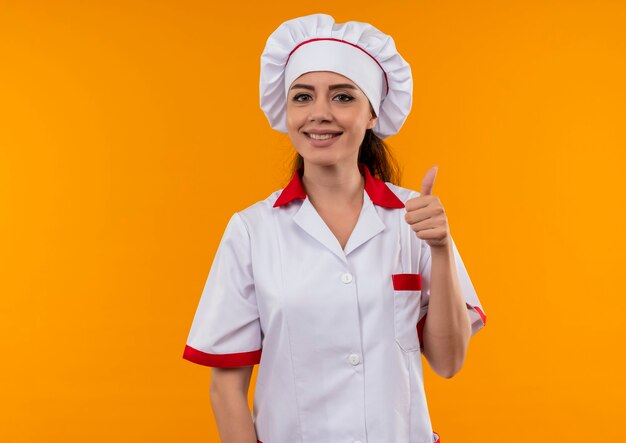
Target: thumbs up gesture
426, 215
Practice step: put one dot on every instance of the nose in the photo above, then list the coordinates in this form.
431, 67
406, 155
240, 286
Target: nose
320, 110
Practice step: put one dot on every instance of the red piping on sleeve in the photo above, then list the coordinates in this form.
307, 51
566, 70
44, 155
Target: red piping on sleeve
222, 360
420, 324
482, 314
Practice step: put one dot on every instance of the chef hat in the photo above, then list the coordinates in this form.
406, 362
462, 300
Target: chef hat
355, 50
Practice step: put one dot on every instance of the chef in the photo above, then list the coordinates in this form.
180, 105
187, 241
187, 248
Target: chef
338, 283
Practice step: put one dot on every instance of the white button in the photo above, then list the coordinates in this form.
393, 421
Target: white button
357, 441
346, 277
354, 359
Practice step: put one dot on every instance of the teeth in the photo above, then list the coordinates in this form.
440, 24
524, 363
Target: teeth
322, 136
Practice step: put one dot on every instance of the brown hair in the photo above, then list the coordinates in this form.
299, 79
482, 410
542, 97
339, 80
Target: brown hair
375, 154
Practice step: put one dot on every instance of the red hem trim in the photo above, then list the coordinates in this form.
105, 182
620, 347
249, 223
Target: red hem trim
222, 360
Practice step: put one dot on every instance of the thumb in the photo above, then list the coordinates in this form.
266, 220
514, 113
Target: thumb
429, 181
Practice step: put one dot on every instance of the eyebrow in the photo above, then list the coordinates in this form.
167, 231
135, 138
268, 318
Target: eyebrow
330, 88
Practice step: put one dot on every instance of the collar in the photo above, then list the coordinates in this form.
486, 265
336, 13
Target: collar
376, 189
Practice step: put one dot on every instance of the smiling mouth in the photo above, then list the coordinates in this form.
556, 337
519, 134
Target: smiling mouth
322, 136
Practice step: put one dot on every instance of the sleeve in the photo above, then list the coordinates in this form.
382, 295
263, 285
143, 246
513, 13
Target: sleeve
478, 318
226, 330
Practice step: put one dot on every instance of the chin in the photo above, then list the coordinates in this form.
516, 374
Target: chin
321, 160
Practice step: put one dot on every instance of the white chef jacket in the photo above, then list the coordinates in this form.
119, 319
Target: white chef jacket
336, 332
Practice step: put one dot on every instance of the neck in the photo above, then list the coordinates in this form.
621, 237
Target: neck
334, 185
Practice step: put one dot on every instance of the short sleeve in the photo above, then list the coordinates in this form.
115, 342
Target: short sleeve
477, 315
226, 330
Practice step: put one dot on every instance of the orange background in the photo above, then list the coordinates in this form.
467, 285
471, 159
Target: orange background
131, 131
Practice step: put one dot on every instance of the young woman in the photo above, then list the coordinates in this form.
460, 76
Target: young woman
327, 283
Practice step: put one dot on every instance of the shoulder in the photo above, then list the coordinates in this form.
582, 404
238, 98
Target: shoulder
260, 211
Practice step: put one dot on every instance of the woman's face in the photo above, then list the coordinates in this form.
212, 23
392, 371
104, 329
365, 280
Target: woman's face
327, 102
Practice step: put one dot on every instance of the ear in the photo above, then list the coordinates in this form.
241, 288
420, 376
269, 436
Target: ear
373, 118
372, 122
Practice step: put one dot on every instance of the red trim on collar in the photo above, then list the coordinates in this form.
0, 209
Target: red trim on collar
376, 189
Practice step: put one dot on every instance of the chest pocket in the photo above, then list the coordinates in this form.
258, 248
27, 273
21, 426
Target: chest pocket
407, 291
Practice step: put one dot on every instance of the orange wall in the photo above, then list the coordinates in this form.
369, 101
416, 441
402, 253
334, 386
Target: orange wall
130, 131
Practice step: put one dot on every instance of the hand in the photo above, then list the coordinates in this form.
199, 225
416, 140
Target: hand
426, 215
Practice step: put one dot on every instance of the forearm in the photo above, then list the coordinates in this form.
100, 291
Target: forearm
447, 328
233, 418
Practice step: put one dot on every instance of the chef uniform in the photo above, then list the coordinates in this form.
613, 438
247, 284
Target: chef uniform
337, 333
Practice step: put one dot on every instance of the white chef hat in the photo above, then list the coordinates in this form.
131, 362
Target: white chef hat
355, 50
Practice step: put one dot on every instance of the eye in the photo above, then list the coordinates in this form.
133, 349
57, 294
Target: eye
347, 99
296, 98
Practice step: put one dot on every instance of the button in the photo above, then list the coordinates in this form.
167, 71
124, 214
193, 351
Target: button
357, 441
346, 277
354, 359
